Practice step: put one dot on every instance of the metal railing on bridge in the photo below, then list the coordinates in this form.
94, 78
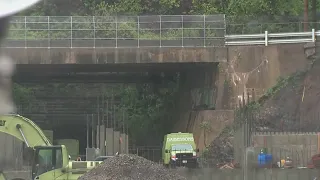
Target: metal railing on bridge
272, 38
117, 31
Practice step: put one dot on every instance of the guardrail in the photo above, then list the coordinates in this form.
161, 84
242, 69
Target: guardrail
272, 38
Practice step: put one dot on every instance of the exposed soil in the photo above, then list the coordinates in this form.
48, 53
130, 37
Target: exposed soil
130, 167
294, 107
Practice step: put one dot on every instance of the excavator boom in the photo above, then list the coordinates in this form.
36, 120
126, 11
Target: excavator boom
50, 162
23, 129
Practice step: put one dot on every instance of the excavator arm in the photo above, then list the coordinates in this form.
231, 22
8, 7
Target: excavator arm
45, 154
23, 129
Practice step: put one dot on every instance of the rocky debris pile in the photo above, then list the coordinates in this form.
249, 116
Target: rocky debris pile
130, 167
220, 151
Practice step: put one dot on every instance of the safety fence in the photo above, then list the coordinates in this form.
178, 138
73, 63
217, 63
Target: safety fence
299, 154
252, 24
116, 31
261, 174
164, 31
152, 153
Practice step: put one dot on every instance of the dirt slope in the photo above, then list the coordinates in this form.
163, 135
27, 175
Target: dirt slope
292, 105
295, 105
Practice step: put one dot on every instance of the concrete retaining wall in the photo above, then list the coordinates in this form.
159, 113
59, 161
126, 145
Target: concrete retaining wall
114, 141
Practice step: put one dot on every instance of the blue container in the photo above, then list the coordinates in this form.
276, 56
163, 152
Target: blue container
269, 158
262, 159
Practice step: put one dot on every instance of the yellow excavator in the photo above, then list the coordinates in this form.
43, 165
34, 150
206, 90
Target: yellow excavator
50, 162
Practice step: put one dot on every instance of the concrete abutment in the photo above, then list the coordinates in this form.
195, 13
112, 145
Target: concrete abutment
207, 93
248, 68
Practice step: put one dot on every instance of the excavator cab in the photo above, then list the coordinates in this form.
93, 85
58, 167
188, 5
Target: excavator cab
49, 161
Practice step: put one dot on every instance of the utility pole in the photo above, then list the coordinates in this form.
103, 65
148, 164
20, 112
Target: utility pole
314, 14
305, 22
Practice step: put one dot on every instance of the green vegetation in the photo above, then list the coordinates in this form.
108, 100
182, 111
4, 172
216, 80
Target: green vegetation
281, 83
251, 110
146, 111
242, 16
150, 111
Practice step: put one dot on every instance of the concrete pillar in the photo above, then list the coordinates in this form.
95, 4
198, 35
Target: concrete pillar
127, 144
116, 142
101, 139
109, 141
124, 144
122, 141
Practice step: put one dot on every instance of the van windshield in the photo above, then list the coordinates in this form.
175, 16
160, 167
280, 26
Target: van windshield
181, 147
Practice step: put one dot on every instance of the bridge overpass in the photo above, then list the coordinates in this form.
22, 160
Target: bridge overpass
55, 49
63, 45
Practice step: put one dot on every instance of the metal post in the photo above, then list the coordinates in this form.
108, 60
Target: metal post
306, 7
94, 31
138, 31
313, 35
182, 34
48, 32
204, 30
127, 137
225, 28
314, 14
98, 119
71, 32
123, 130
107, 113
113, 122
123, 135
87, 131
92, 131
266, 38
107, 108
25, 32
104, 127
160, 30
116, 32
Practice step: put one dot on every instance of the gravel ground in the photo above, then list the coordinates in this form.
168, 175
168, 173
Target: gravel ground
130, 167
